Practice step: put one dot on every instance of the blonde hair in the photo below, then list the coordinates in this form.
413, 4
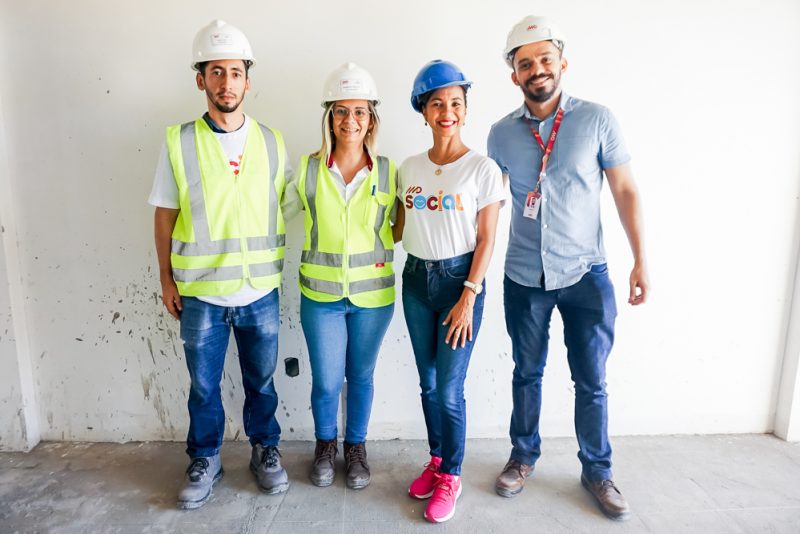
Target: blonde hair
329, 140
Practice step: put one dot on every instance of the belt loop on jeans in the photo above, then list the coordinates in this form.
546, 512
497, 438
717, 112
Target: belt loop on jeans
412, 262
438, 265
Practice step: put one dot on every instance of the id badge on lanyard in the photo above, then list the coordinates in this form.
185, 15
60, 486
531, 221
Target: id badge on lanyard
534, 200
532, 205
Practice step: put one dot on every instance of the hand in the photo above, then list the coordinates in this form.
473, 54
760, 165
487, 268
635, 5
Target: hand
171, 298
639, 286
460, 320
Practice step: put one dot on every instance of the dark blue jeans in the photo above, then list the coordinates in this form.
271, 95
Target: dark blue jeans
588, 311
205, 330
343, 342
430, 290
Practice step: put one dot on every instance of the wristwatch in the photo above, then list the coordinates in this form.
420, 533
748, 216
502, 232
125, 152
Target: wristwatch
476, 288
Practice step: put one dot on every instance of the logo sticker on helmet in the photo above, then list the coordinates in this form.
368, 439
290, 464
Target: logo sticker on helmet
221, 39
351, 86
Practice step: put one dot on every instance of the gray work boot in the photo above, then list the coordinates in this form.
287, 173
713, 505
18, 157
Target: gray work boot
355, 461
265, 463
322, 471
201, 475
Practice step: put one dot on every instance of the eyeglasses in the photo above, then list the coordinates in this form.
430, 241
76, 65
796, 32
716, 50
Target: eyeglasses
359, 114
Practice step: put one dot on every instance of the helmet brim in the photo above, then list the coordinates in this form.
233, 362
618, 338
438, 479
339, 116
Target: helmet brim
415, 98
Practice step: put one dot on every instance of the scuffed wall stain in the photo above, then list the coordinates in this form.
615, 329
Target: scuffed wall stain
121, 372
146, 387
164, 385
150, 348
13, 434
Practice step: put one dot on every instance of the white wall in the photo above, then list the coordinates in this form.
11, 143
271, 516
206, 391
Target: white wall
707, 94
19, 419
12, 424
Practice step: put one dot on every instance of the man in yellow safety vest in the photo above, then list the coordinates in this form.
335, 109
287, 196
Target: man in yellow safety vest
220, 242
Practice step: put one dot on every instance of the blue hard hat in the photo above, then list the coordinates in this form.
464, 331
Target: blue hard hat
435, 75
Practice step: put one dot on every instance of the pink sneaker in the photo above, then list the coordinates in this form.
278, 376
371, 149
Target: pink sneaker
442, 505
422, 487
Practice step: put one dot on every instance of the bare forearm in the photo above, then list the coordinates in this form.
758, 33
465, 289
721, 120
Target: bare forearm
399, 223
164, 224
484, 247
630, 215
626, 197
459, 318
481, 259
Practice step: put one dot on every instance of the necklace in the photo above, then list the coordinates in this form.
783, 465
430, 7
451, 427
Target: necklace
448, 161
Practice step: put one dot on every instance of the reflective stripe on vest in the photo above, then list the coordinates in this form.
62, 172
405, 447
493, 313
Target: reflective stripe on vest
203, 244
313, 256
359, 286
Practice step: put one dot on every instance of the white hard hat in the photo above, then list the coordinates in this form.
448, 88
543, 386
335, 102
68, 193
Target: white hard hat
220, 40
349, 82
532, 29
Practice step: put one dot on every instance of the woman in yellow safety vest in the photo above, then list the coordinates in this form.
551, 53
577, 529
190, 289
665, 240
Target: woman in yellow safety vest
346, 274
451, 197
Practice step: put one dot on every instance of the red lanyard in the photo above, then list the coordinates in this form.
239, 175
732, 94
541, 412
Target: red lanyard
549, 149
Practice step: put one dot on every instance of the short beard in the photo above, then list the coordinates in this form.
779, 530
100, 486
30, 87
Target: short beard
223, 108
226, 109
543, 95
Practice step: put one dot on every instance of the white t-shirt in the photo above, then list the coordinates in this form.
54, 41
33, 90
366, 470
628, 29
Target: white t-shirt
165, 195
442, 211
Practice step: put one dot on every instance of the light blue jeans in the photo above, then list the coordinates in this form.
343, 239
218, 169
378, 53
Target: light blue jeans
343, 343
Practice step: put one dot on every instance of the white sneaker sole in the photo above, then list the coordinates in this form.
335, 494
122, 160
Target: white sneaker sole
420, 497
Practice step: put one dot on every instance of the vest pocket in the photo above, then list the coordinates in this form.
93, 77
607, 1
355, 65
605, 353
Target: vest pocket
381, 203
384, 199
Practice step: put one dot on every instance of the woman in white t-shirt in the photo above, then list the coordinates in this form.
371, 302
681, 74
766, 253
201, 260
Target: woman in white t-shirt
450, 197
346, 274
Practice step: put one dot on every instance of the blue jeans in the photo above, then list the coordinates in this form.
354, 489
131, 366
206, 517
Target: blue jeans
343, 342
430, 290
205, 330
588, 311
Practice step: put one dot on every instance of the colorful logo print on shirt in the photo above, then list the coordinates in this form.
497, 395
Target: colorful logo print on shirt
439, 202
235, 165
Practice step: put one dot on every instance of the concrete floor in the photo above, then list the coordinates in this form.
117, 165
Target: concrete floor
707, 484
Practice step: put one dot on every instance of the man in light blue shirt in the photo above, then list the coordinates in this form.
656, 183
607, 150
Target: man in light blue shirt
554, 151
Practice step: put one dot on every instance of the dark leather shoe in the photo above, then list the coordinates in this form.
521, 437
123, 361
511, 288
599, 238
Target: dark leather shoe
322, 471
355, 459
608, 497
512, 479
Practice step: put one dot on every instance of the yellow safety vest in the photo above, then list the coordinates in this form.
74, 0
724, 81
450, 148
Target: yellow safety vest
230, 228
348, 249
